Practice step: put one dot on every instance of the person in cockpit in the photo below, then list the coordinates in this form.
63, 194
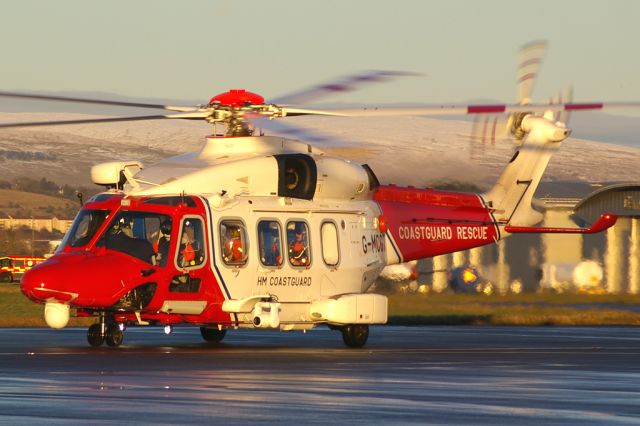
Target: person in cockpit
122, 240
163, 243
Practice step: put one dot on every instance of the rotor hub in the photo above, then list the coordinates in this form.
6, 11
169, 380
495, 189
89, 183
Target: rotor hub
237, 98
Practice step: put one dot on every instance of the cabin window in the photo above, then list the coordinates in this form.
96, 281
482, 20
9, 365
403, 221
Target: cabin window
298, 244
330, 246
233, 240
269, 242
191, 251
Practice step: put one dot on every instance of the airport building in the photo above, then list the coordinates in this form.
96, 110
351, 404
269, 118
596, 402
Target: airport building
36, 224
595, 263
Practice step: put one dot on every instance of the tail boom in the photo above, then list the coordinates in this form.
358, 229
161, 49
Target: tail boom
425, 222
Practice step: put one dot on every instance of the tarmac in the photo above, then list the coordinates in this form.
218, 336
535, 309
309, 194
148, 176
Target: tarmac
404, 375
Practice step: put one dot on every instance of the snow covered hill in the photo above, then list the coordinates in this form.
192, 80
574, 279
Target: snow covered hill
404, 150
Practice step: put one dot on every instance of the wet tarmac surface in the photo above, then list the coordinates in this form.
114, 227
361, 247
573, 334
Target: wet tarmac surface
405, 375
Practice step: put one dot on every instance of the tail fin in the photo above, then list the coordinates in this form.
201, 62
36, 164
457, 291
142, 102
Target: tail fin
510, 198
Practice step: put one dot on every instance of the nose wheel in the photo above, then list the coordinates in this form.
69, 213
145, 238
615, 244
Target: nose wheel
95, 336
355, 335
114, 335
100, 333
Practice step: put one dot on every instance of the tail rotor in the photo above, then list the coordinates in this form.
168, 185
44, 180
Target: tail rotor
491, 127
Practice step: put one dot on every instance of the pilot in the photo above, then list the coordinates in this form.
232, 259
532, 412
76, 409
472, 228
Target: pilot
299, 247
123, 241
233, 252
163, 242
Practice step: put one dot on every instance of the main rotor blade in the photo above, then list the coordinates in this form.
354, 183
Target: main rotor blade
287, 130
93, 101
479, 109
293, 112
188, 116
345, 84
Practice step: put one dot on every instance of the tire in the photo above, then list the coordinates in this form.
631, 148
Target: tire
355, 335
6, 277
94, 335
114, 336
212, 334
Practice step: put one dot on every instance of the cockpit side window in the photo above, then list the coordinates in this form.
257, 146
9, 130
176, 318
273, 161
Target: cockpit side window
84, 227
191, 252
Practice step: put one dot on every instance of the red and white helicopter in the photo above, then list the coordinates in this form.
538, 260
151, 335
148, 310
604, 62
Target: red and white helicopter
268, 232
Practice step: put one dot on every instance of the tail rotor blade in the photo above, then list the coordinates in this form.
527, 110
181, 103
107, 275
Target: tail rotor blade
531, 56
565, 96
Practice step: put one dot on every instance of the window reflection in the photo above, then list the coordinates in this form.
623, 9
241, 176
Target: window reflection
269, 242
83, 228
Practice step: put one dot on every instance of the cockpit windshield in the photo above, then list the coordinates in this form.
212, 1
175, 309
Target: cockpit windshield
84, 227
142, 235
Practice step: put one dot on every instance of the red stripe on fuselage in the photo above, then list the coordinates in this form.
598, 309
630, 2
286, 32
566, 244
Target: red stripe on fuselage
426, 222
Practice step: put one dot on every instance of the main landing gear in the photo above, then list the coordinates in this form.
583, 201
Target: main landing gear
213, 334
102, 332
355, 335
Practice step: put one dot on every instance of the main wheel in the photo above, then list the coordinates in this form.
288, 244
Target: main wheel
94, 335
212, 334
355, 335
114, 336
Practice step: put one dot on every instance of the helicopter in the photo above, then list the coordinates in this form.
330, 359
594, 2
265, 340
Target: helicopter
270, 232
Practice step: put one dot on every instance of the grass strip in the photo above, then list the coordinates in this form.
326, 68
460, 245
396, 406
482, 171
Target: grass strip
528, 309
431, 309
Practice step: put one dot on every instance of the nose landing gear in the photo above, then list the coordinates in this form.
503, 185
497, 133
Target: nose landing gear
95, 335
355, 335
101, 332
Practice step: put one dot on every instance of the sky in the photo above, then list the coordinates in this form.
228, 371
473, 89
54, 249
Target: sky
193, 49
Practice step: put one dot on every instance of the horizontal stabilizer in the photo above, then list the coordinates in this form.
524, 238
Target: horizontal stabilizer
605, 221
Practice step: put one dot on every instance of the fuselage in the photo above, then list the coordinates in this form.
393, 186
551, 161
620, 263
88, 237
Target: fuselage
298, 230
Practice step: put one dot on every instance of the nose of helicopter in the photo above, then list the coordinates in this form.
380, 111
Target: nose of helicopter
78, 279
